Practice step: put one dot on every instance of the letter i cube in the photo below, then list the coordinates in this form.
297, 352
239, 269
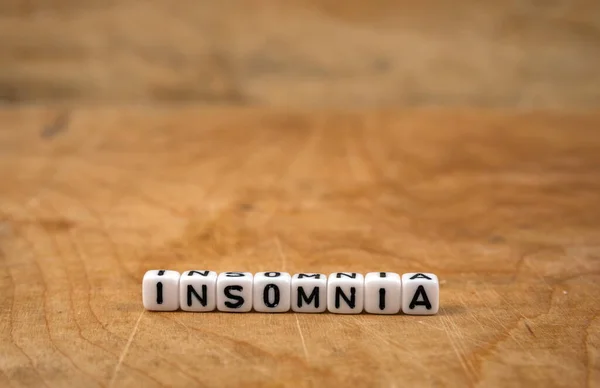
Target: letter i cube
160, 290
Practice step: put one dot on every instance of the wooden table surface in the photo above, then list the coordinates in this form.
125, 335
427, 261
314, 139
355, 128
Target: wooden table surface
504, 207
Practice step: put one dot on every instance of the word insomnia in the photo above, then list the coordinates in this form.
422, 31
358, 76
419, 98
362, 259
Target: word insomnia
277, 292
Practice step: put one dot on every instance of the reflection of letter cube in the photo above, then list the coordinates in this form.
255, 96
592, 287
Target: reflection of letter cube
420, 293
382, 293
198, 291
272, 292
234, 292
345, 293
160, 290
309, 292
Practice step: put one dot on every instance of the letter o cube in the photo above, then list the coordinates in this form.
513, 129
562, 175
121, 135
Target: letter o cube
272, 292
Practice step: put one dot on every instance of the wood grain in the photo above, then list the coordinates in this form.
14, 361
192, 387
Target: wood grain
503, 207
314, 53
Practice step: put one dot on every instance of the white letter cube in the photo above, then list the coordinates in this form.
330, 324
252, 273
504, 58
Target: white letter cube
160, 290
272, 292
198, 290
383, 293
420, 293
345, 293
309, 293
234, 292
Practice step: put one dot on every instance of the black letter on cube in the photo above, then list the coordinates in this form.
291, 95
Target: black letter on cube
351, 302
238, 298
266, 292
191, 291
308, 299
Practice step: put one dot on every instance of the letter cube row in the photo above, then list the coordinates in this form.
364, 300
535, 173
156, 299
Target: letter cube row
277, 292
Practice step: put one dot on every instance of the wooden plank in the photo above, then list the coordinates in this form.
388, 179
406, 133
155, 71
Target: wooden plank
351, 53
503, 207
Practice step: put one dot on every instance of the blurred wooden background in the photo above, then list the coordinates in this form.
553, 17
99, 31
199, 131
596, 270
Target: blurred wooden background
351, 53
